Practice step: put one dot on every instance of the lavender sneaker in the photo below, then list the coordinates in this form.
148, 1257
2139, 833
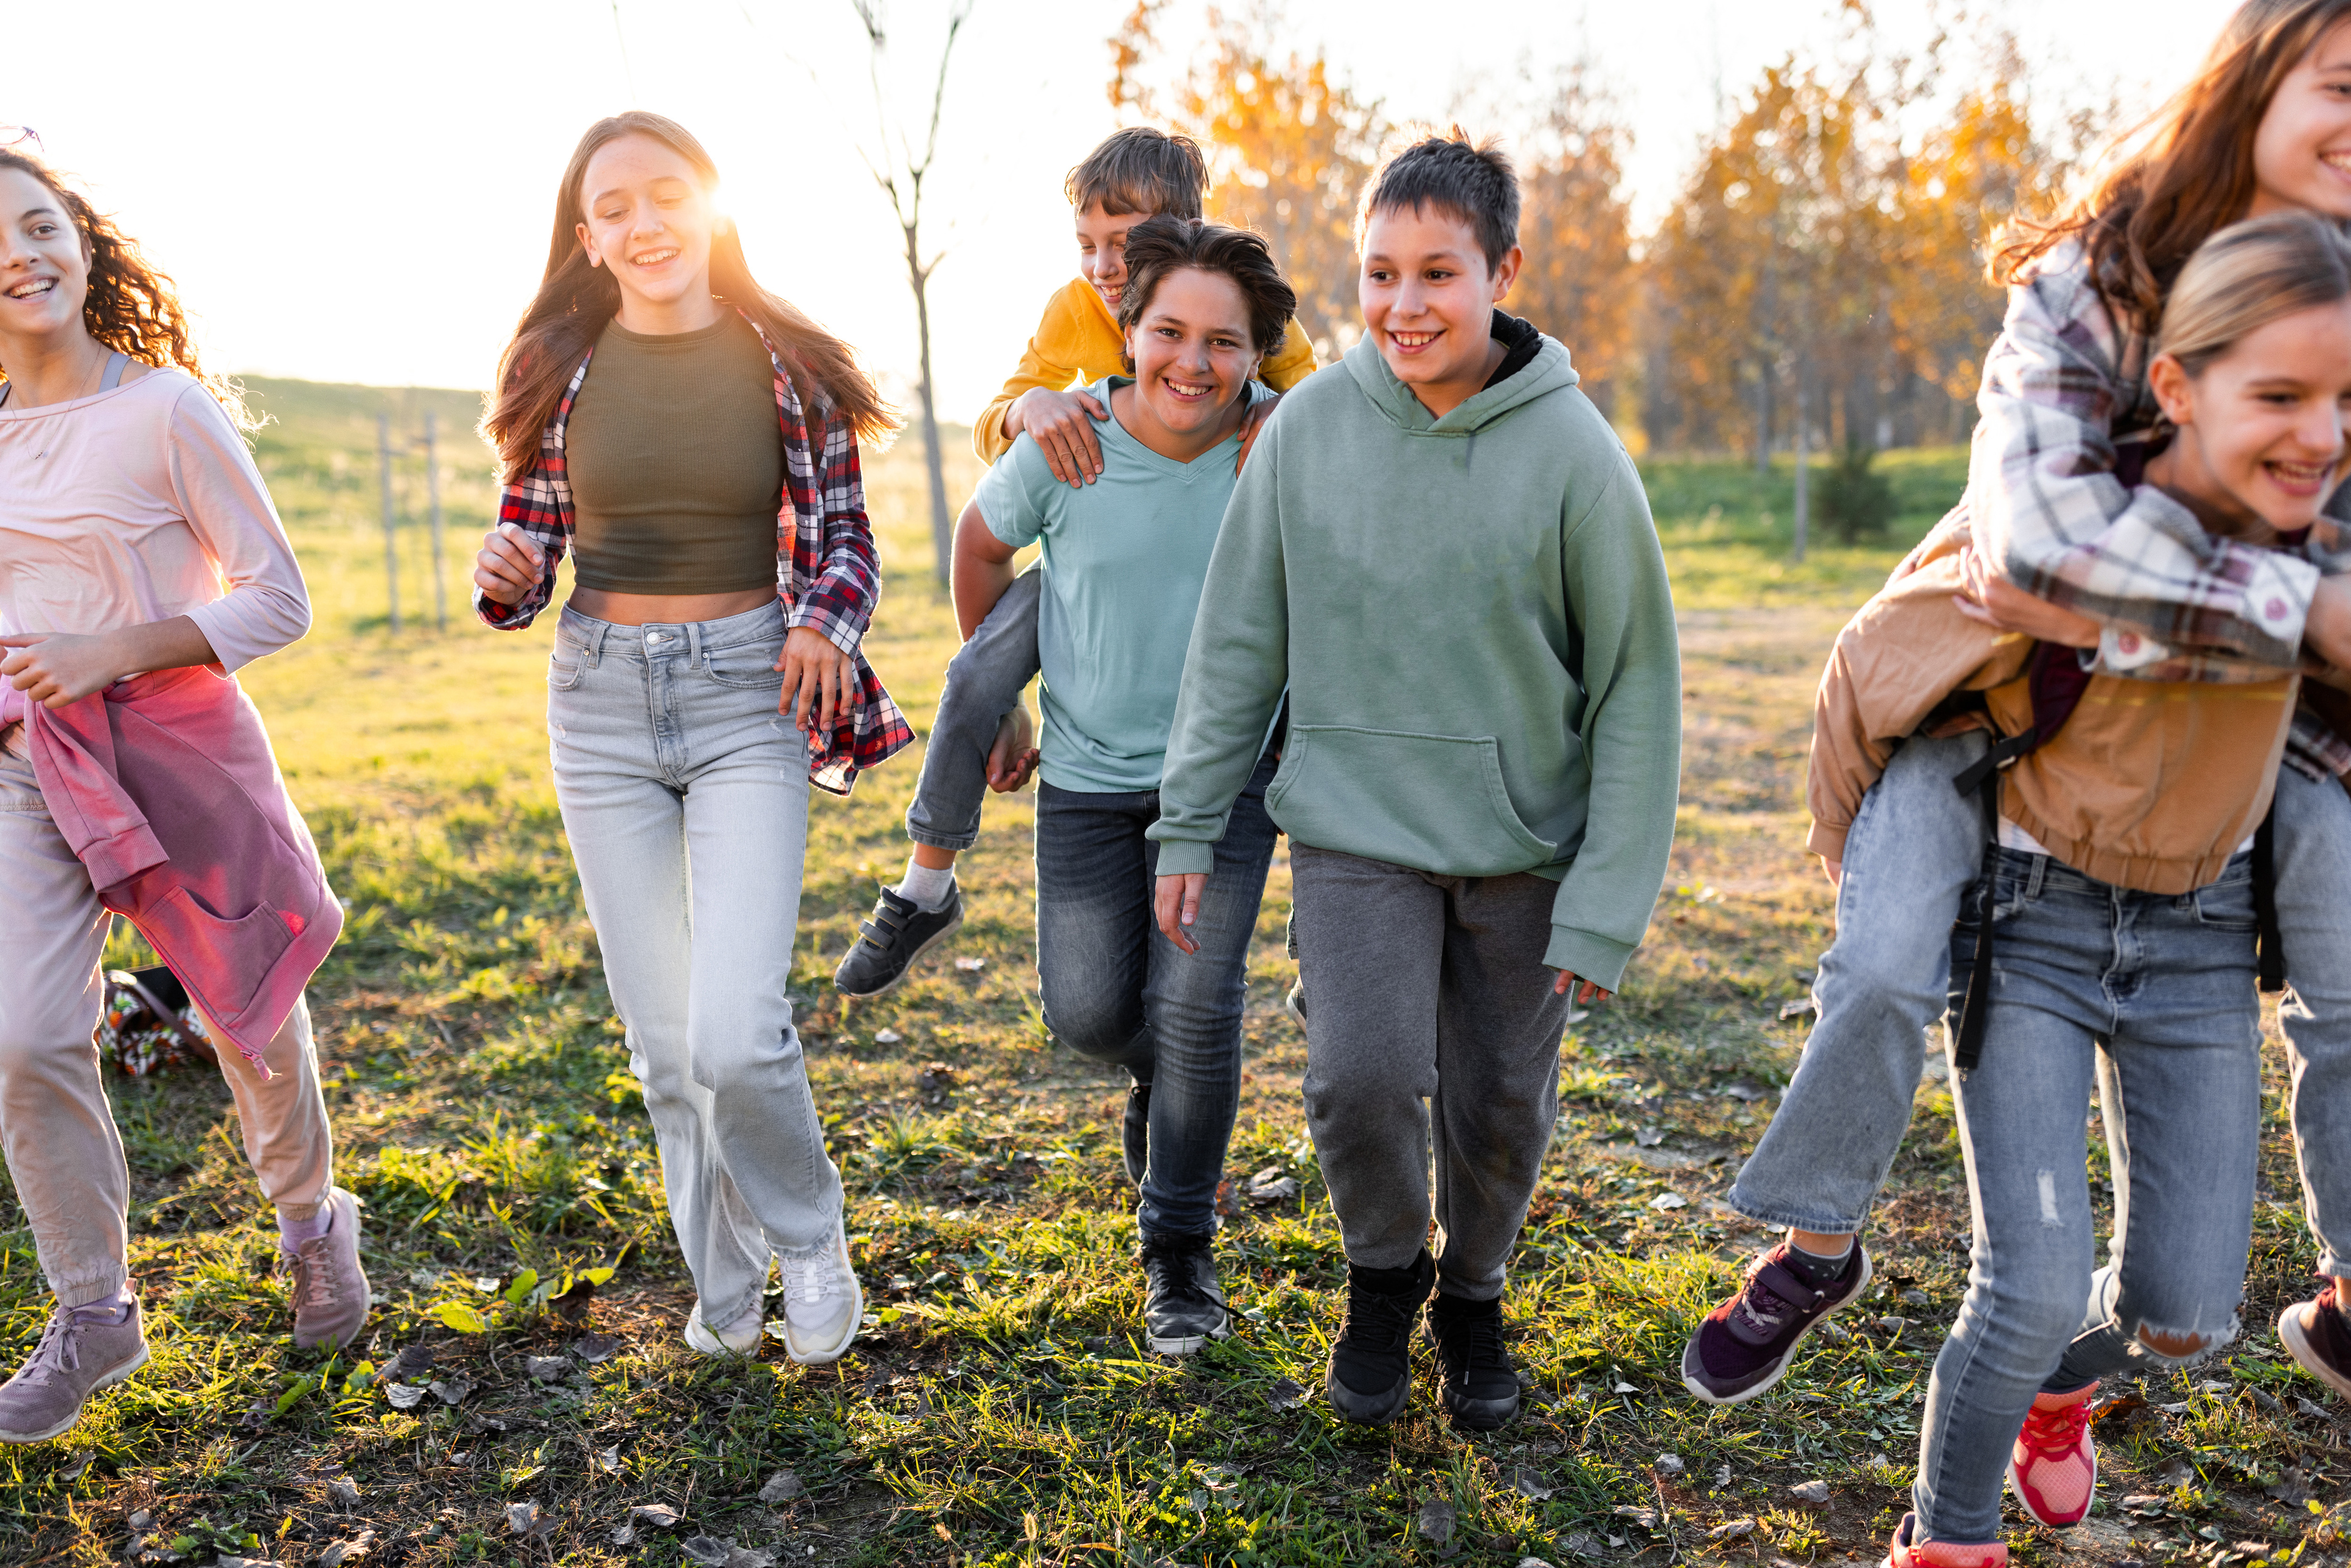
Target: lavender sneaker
1744, 1345
76, 1357
324, 1279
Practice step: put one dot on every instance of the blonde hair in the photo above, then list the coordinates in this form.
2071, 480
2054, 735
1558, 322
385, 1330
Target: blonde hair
2246, 277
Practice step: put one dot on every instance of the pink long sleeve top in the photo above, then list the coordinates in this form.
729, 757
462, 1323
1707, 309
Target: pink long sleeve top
136, 505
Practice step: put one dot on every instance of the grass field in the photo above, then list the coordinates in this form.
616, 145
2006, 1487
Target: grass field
1000, 1411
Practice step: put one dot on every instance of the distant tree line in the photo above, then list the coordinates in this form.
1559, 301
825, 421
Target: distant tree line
1822, 263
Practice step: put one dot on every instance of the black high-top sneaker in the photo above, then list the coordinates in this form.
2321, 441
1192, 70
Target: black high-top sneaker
1481, 1386
1370, 1377
1183, 1305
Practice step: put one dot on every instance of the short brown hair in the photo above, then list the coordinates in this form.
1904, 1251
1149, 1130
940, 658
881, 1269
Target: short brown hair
1160, 245
1139, 170
1473, 183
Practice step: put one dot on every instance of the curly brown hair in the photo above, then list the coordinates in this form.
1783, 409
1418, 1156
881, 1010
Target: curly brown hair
2191, 172
132, 307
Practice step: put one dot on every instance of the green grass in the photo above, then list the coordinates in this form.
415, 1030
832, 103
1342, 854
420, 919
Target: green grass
1002, 1412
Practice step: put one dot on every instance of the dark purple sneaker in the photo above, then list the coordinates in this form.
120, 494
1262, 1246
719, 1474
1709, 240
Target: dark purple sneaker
2316, 1333
1744, 1345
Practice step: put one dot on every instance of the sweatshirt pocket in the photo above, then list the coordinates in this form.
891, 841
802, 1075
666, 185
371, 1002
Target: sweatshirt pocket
1433, 802
228, 957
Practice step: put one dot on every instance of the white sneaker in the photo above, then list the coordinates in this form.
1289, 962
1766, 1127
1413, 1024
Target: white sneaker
822, 1304
740, 1337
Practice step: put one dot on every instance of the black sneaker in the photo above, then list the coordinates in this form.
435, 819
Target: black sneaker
1295, 1005
898, 932
1136, 1135
1183, 1307
1370, 1377
1479, 1384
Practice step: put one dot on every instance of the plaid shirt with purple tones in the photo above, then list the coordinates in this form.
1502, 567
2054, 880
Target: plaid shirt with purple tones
828, 574
2177, 603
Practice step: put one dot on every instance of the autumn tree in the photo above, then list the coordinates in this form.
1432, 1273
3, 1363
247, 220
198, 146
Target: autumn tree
1288, 148
1579, 284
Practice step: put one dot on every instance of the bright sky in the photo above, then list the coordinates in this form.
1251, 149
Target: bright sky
364, 194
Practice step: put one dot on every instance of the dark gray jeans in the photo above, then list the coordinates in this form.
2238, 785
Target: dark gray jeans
1428, 989
985, 678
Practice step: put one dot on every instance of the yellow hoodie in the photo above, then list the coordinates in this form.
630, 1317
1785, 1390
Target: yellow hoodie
1078, 342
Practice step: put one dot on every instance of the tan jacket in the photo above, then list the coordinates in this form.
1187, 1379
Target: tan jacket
2150, 785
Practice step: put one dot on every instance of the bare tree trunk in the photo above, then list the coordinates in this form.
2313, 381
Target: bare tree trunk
942, 528
1803, 462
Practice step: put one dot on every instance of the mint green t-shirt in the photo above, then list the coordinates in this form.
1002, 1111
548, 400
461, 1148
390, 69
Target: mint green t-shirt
1125, 557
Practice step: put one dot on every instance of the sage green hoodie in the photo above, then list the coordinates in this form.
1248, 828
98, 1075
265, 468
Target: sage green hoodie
1472, 617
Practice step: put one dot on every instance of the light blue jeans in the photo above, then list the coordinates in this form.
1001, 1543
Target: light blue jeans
1914, 847
985, 678
685, 794
2151, 997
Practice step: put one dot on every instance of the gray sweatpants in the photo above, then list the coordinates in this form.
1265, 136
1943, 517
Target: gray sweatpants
1428, 989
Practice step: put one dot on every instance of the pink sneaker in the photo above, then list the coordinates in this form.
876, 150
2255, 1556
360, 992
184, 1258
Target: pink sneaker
2053, 1469
324, 1279
1903, 1554
76, 1358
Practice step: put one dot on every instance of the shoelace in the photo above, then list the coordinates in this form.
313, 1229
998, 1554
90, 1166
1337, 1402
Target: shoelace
314, 1287
1763, 1308
57, 1352
810, 1277
2053, 1434
1483, 1343
1375, 1321
1162, 1266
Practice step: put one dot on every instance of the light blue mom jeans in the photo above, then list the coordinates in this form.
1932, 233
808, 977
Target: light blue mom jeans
1915, 848
2152, 998
685, 794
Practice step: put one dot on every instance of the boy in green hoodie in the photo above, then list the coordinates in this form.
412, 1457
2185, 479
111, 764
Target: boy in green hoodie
1444, 557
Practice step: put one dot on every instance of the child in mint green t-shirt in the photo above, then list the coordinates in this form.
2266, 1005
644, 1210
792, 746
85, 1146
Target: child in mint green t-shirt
1126, 561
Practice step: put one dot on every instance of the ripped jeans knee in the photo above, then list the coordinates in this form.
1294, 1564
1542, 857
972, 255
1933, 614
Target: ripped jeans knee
2176, 1347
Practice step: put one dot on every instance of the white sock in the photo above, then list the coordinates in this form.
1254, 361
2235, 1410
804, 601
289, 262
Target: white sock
927, 886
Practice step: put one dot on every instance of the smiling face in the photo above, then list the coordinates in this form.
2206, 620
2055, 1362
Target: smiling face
1102, 251
2302, 152
44, 264
1428, 300
1193, 357
2262, 429
645, 214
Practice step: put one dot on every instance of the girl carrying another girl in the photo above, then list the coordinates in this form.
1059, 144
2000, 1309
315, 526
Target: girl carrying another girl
142, 564
2071, 545
691, 439
2122, 902
1126, 558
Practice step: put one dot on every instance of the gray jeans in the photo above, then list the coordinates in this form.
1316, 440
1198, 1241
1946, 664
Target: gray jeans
2151, 997
1915, 848
985, 678
685, 794
1429, 1013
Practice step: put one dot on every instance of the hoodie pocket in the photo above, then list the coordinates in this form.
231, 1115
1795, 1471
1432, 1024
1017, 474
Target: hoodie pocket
1433, 802
229, 957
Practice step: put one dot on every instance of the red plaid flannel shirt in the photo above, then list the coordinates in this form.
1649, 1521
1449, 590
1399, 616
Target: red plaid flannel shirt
826, 573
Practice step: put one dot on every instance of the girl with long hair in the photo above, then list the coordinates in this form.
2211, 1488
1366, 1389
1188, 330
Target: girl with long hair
142, 564
691, 440
2064, 537
2122, 904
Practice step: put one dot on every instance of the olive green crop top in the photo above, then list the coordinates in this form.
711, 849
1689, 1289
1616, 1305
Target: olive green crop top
676, 462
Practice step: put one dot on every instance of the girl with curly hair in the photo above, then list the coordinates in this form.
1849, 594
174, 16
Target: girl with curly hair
142, 563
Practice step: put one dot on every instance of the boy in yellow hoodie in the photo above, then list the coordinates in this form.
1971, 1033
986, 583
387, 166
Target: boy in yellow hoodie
981, 738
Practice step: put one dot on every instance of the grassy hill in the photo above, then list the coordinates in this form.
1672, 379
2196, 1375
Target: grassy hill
1000, 1411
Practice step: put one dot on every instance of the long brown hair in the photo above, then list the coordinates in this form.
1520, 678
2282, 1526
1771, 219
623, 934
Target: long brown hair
2192, 170
576, 300
132, 307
